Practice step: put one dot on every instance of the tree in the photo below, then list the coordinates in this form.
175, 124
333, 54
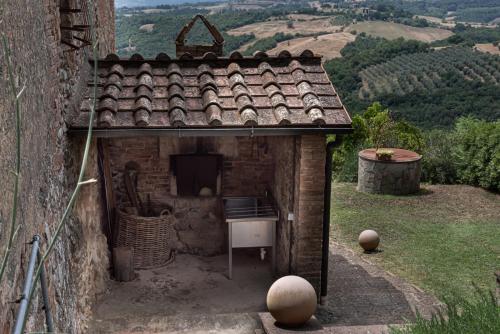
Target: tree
378, 124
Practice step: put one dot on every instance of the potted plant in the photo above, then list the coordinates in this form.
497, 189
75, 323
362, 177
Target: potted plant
379, 125
384, 154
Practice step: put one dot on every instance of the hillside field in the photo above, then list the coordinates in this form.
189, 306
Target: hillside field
332, 38
443, 239
488, 48
328, 45
302, 24
392, 30
425, 71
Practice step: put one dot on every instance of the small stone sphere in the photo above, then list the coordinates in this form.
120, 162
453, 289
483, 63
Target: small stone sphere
291, 300
369, 240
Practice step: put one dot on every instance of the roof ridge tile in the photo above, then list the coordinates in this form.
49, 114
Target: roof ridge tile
278, 100
242, 96
209, 92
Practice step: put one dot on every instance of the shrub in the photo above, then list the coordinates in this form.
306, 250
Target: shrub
407, 136
438, 163
374, 128
379, 124
477, 152
345, 164
480, 316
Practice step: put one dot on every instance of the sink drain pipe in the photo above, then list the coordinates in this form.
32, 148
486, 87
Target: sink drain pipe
326, 216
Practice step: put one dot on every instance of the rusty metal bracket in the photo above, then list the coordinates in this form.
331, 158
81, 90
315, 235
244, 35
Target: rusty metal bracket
69, 29
199, 50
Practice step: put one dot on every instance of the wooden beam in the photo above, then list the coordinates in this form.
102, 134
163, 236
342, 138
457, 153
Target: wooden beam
73, 46
83, 40
70, 10
108, 187
75, 27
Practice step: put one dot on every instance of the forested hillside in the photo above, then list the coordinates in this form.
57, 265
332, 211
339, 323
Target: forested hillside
462, 10
427, 84
153, 32
428, 87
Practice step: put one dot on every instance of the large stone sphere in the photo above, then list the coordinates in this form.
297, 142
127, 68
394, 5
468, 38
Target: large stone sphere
291, 300
369, 240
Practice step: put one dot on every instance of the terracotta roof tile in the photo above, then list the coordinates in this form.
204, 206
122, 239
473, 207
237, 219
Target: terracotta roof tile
212, 91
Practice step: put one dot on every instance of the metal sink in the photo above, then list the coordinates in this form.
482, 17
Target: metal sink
251, 222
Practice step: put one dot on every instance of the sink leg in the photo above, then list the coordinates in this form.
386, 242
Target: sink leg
230, 248
274, 248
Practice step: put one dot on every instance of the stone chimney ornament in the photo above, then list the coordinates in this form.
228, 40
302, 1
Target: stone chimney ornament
199, 50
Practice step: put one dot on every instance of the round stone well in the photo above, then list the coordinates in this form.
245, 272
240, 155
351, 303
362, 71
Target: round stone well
398, 176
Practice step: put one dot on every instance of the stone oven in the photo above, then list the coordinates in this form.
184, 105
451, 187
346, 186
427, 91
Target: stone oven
203, 127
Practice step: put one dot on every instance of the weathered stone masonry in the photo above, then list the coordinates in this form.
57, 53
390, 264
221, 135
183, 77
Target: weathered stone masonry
54, 76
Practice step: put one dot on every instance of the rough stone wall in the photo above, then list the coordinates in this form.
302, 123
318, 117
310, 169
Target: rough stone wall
309, 196
50, 161
385, 177
247, 170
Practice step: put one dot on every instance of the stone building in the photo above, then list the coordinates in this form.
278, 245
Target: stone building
265, 117
55, 74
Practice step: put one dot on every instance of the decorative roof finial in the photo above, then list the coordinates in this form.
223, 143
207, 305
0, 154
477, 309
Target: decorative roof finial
199, 50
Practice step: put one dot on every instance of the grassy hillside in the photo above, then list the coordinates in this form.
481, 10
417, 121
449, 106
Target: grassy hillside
328, 45
443, 239
392, 30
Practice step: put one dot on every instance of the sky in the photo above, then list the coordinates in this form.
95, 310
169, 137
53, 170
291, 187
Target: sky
135, 3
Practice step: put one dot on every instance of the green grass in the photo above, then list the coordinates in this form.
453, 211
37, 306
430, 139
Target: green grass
444, 240
481, 316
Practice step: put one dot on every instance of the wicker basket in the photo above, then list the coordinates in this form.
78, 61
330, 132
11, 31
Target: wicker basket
152, 238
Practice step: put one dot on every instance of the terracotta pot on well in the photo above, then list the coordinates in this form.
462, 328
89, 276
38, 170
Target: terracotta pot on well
384, 154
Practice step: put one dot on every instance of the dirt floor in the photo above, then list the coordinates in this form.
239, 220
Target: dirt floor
192, 292
328, 46
193, 295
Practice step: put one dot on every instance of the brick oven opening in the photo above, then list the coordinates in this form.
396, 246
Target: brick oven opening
196, 174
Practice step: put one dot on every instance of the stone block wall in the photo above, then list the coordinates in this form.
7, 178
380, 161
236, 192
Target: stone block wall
54, 76
386, 177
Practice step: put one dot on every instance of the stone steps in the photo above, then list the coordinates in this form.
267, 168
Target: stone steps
313, 326
370, 329
229, 323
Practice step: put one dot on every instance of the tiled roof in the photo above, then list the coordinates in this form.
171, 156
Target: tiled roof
212, 92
